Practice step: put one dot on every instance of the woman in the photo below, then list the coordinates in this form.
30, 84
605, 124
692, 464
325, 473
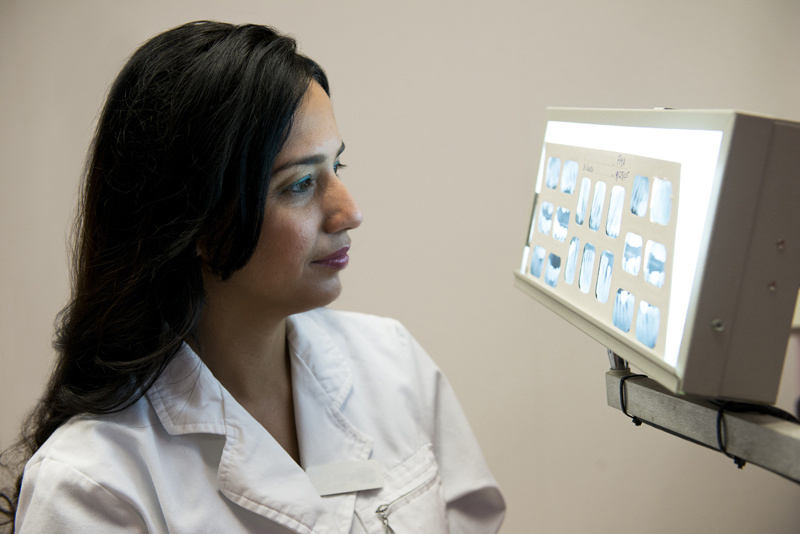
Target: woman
201, 385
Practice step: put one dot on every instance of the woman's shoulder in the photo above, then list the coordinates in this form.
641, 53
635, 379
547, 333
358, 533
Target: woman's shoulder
106, 436
107, 452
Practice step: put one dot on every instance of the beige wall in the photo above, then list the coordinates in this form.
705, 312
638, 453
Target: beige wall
442, 108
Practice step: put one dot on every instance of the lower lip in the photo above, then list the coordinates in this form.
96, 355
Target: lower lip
337, 263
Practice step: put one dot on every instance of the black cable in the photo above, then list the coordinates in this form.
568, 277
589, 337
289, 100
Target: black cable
741, 407
636, 421
721, 436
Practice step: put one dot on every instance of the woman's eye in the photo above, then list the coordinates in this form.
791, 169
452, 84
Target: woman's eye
337, 167
301, 185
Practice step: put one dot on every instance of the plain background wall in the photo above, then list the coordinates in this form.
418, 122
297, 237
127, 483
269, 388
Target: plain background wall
442, 107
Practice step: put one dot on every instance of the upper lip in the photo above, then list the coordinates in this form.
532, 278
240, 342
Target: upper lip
335, 255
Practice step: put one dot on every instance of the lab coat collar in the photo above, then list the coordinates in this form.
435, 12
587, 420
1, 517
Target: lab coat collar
254, 470
314, 350
322, 382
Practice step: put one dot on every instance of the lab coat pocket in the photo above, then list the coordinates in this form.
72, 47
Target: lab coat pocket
410, 501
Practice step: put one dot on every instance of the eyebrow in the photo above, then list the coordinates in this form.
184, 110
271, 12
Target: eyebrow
315, 159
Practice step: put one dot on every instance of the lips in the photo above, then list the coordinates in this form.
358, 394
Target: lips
336, 260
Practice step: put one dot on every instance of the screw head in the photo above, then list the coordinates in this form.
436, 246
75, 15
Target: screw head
717, 325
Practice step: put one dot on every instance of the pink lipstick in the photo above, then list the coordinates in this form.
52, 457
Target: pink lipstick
337, 260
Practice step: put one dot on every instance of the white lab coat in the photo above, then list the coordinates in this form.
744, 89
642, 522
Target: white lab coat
187, 458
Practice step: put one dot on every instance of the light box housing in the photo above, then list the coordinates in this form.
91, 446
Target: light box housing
699, 213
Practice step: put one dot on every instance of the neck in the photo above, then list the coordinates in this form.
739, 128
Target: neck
249, 358
248, 353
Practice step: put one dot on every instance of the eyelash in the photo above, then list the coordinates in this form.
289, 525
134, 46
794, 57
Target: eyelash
304, 184
301, 186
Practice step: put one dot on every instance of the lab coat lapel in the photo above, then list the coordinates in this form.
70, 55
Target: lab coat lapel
322, 382
257, 474
254, 471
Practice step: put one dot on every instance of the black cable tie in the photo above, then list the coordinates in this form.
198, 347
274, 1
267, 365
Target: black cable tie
635, 420
722, 437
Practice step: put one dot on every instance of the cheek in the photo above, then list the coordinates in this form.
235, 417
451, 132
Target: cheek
287, 241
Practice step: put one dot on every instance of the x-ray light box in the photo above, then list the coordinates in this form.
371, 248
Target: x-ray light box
673, 238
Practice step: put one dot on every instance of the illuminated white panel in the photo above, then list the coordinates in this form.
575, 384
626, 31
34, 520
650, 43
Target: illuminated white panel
697, 152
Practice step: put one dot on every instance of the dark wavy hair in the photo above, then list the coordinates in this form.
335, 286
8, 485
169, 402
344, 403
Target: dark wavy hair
181, 159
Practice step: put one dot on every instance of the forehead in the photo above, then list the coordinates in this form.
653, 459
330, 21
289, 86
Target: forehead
314, 127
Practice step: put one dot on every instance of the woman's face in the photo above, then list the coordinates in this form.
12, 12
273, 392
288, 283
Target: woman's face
303, 243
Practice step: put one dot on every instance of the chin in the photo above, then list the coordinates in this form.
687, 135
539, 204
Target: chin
332, 296
322, 298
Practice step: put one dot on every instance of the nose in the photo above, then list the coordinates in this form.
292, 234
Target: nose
342, 211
